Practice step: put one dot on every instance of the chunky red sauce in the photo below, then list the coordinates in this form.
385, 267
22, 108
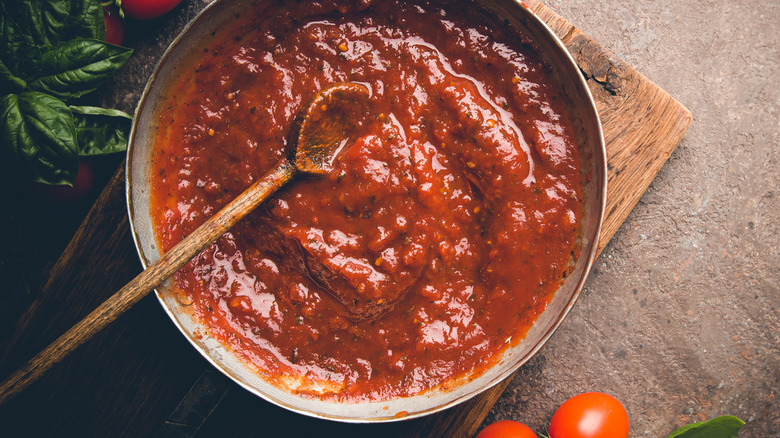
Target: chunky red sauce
438, 238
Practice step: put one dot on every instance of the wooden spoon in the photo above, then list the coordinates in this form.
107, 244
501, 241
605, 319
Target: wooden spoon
319, 133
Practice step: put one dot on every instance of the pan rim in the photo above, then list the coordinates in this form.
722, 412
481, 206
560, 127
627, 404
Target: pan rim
600, 171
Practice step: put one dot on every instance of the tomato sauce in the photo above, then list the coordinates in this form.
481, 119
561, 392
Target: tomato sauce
437, 239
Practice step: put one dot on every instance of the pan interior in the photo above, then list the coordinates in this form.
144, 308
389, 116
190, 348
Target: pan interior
587, 128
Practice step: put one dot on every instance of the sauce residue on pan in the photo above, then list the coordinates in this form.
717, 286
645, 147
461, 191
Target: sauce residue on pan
438, 238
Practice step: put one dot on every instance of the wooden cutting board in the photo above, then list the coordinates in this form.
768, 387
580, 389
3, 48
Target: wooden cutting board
131, 378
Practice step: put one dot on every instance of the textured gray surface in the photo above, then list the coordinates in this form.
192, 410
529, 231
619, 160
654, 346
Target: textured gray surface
680, 318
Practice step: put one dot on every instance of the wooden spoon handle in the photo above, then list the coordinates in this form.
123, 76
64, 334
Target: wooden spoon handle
153, 276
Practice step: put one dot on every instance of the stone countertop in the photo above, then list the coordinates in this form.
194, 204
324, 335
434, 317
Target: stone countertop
679, 319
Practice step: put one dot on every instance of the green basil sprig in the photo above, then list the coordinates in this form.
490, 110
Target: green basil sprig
40, 136
725, 426
100, 131
52, 51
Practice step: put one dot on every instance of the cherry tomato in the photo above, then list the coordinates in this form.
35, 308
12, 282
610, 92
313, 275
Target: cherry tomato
147, 9
115, 28
82, 186
590, 415
507, 429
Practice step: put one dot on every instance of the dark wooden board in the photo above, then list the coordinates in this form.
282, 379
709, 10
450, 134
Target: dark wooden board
129, 380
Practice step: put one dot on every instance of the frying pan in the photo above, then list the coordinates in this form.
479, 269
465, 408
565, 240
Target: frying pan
587, 127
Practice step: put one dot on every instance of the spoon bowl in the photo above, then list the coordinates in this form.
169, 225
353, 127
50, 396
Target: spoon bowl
320, 130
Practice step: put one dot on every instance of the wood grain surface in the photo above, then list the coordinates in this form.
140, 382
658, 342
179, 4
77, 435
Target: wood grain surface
130, 378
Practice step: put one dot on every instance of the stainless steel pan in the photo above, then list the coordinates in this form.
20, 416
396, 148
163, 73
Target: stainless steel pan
139, 181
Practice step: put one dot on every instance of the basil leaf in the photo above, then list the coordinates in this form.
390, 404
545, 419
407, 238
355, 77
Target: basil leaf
27, 19
719, 427
78, 66
38, 134
47, 22
8, 82
15, 43
67, 19
100, 131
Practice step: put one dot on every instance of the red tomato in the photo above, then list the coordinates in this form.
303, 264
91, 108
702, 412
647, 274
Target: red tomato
507, 429
115, 28
147, 9
590, 415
